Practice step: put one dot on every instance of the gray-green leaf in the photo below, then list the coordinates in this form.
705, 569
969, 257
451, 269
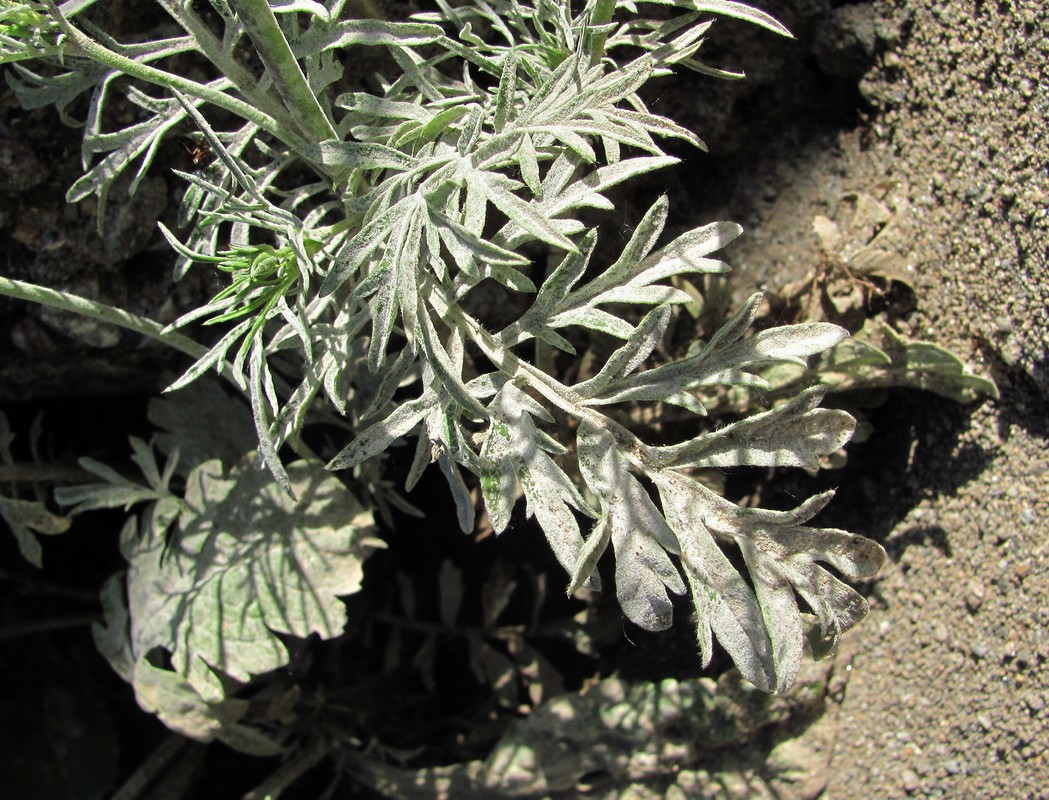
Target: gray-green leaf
639, 534
245, 562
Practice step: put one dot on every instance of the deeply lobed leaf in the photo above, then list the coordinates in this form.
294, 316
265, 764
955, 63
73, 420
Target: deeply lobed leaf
245, 561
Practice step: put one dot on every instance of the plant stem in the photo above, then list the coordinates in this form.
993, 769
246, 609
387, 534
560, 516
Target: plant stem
230, 67
159, 77
66, 301
156, 764
262, 27
601, 15
305, 759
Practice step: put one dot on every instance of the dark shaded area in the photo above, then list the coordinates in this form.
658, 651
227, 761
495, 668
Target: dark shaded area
1024, 402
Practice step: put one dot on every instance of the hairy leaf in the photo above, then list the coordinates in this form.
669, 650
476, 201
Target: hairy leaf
378, 437
763, 630
512, 454
637, 530
796, 434
245, 561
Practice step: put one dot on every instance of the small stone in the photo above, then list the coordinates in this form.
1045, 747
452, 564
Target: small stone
984, 722
952, 766
974, 595
910, 780
979, 649
1035, 703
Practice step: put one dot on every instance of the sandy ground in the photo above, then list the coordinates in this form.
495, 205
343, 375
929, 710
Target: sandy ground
947, 683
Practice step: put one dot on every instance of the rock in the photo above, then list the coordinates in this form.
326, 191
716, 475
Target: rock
845, 41
910, 781
974, 595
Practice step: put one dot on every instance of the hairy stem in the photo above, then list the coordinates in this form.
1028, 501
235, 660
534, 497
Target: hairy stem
209, 45
601, 15
93, 309
561, 396
273, 48
92, 49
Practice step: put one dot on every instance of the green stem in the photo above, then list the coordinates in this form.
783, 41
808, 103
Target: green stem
93, 309
262, 27
158, 77
210, 46
601, 15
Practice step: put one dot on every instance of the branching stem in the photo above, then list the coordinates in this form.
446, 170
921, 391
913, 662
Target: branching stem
635, 450
273, 48
208, 44
158, 77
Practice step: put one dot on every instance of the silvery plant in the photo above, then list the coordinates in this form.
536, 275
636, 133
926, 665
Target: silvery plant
416, 257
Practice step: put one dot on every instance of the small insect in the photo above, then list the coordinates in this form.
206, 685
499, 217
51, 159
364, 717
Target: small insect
198, 150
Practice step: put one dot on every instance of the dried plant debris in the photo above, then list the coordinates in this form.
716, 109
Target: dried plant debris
862, 257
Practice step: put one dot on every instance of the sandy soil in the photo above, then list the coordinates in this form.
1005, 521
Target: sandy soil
947, 684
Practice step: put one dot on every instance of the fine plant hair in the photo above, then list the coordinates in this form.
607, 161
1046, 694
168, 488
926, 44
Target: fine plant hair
368, 229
